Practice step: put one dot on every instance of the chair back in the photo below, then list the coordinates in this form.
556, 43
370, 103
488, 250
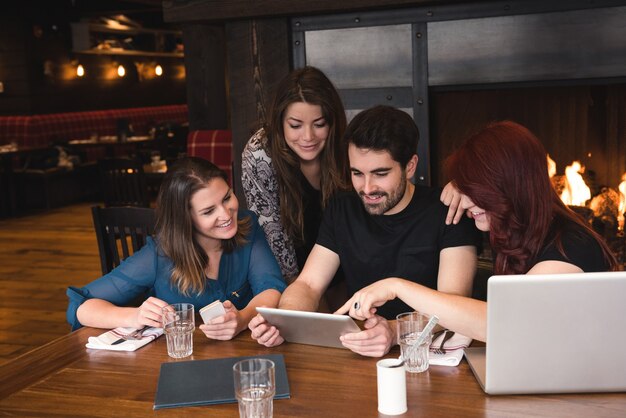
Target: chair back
121, 231
123, 183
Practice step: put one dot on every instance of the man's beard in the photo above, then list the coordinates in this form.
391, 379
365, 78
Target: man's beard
391, 199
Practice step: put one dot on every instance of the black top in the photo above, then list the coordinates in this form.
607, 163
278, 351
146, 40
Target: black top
312, 203
405, 244
580, 247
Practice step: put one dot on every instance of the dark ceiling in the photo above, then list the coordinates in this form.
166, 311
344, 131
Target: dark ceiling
147, 12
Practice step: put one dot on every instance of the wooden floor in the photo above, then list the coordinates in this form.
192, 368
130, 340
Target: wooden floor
40, 255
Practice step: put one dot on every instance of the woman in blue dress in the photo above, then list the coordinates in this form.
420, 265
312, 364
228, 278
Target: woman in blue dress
203, 250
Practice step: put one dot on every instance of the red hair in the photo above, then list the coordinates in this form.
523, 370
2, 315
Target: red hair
503, 169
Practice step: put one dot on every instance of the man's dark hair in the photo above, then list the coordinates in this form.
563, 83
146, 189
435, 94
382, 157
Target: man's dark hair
384, 128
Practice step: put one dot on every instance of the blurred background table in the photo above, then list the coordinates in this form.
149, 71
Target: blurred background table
63, 379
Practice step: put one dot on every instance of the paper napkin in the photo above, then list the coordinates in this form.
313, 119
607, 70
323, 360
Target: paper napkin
454, 350
105, 341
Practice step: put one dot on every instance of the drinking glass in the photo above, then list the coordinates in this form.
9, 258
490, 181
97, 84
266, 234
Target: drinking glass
178, 325
255, 387
410, 326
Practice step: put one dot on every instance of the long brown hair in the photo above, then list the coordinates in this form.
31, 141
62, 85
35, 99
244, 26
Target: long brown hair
308, 85
503, 169
174, 225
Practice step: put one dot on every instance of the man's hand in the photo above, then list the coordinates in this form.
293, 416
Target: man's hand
264, 333
451, 197
375, 341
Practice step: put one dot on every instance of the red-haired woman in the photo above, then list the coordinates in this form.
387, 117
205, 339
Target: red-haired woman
502, 174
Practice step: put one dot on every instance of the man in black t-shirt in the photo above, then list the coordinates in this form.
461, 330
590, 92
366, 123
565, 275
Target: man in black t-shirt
385, 227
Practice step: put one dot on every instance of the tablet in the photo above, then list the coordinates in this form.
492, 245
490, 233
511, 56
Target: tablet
312, 328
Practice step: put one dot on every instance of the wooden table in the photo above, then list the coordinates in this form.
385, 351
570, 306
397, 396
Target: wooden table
64, 379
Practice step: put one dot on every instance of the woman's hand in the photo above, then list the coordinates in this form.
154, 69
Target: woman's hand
224, 327
362, 305
149, 313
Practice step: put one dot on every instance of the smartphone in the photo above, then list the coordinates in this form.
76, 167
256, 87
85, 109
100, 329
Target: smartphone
212, 310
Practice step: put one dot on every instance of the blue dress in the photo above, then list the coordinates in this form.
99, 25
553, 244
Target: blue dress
243, 274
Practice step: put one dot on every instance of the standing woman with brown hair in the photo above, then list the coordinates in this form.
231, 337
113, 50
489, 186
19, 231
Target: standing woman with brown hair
295, 163
204, 249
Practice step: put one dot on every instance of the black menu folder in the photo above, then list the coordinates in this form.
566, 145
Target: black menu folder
208, 382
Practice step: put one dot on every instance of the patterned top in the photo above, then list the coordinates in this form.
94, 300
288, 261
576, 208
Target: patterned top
260, 188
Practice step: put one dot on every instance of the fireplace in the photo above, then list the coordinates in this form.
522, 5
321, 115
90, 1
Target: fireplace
578, 124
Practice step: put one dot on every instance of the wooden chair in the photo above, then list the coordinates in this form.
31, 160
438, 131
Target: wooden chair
123, 183
120, 232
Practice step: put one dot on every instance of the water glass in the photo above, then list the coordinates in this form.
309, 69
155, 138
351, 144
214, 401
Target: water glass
178, 326
255, 386
410, 326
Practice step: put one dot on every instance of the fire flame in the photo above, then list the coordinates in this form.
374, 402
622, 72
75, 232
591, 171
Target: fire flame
551, 166
622, 203
576, 192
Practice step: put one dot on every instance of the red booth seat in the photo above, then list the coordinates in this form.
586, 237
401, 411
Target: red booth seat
213, 145
42, 130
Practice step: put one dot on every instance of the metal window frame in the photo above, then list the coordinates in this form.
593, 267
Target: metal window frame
419, 17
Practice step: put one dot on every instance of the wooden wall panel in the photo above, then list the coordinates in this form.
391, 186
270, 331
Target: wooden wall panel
211, 10
616, 129
14, 69
205, 64
258, 58
585, 123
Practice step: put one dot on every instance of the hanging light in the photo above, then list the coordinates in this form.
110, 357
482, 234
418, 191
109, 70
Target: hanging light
121, 71
80, 70
158, 70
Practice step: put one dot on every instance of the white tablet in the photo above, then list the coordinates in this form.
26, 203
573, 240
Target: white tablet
312, 328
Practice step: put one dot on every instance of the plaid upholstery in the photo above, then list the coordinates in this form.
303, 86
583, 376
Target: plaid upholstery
142, 118
42, 130
23, 130
61, 127
215, 146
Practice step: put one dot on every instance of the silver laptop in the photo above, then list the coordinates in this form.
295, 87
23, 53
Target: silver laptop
554, 333
313, 328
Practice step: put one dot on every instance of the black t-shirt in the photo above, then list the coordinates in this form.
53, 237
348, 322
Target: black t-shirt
579, 246
405, 244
